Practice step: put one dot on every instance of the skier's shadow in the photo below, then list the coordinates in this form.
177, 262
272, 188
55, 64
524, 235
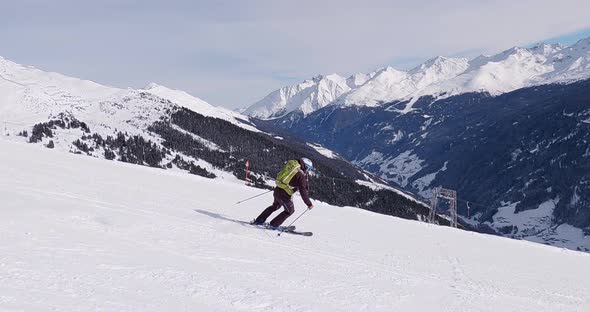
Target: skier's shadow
220, 217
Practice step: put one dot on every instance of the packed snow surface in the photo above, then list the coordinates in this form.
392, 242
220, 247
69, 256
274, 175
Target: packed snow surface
85, 234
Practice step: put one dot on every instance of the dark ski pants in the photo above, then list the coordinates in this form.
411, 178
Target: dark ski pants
281, 199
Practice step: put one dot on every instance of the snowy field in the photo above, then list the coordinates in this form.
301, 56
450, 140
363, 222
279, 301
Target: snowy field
83, 234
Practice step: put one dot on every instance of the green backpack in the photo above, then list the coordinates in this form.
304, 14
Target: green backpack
286, 175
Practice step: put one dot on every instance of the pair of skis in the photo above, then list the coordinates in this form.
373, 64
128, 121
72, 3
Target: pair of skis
282, 229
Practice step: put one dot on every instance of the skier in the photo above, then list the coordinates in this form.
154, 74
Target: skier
291, 179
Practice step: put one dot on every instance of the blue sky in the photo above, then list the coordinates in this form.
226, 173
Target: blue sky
232, 53
569, 38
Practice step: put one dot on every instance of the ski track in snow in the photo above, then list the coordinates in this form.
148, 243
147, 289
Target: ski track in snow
81, 234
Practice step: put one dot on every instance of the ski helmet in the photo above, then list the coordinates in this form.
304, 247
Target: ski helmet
308, 164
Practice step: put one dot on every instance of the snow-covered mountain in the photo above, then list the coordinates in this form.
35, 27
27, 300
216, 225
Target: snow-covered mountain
390, 84
29, 95
518, 68
170, 129
143, 239
306, 97
440, 77
197, 105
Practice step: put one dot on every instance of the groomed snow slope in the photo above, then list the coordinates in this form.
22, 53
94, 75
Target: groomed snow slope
81, 234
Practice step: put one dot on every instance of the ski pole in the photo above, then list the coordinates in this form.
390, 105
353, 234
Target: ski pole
247, 199
301, 215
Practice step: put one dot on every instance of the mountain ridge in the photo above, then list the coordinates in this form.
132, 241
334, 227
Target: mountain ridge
169, 129
442, 77
74, 94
